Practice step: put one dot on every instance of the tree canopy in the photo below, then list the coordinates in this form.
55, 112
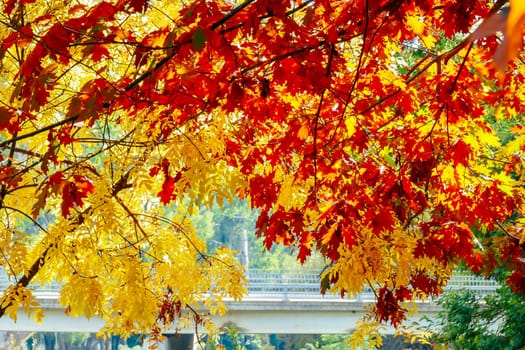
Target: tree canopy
362, 129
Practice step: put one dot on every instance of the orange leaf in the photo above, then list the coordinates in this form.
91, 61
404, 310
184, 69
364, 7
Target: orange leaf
515, 28
303, 132
511, 44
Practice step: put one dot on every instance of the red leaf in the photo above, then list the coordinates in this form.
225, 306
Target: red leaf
382, 219
32, 64
56, 178
53, 185
332, 35
154, 170
304, 252
403, 293
425, 284
460, 153
57, 41
166, 194
138, 5
22, 38
517, 282
64, 135
9, 6
37, 91
388, 308
74, 192
8, 120
9, 41
98, 52
475, 262
104, 10
25, 37
10, 176
407, 186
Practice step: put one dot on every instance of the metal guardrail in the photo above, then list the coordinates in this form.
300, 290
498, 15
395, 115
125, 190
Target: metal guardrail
305, 284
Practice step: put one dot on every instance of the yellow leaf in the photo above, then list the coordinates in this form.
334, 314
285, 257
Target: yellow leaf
429, 40
415, 24
38, 315
351, 124
11, 311
488, 138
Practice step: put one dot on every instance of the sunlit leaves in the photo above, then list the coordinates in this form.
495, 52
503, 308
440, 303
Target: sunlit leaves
365, 130
22, 298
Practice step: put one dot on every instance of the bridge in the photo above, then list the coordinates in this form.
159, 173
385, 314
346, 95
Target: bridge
287, 302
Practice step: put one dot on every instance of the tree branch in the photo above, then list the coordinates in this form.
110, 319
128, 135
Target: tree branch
7, 300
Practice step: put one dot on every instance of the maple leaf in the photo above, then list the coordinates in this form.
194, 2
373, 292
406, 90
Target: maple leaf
64, 135
388, 307
52, 186
98, 52
74, 192
8, 120
32, 64
460, 153
21, 38
10, 175
304, 253
475, 262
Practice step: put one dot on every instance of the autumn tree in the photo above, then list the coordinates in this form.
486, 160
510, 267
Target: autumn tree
356, 128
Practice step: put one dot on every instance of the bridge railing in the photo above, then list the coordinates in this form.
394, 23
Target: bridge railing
306, 284
292, 284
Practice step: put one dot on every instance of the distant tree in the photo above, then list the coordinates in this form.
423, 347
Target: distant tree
400, 343
469, 322
327, 342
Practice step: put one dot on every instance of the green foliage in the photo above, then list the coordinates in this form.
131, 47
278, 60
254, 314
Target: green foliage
230, 340
225, 226
328, 342
471, 323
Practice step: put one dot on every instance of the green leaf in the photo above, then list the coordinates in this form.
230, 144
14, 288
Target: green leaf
199, 39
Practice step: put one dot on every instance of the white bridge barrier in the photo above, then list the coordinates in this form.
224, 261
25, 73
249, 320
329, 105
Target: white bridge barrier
278, 302
306, 284
286, 284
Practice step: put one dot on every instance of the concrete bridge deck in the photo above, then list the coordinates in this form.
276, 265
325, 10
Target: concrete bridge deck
278, 302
